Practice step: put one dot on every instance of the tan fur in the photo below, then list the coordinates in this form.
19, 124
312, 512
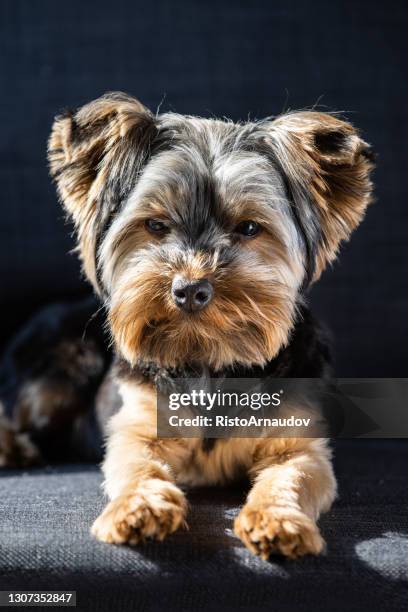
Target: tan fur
293, 481
303, 177
83, 150
247, 322
16, 448
339, 180
52, 402
149, 508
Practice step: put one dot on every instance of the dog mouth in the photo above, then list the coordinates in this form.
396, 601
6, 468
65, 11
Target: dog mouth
239, 324
174, 326
154, 323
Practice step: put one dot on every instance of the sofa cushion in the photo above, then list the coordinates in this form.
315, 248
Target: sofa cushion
45, 544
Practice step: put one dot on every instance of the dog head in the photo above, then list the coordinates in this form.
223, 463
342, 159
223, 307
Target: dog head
200, 234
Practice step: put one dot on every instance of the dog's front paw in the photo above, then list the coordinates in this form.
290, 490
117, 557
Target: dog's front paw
152, 511
275, 529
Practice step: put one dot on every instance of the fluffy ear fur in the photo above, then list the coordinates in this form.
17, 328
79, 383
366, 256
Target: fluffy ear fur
327, 167
95, 155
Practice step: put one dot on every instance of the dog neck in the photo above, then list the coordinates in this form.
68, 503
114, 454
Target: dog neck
307, 355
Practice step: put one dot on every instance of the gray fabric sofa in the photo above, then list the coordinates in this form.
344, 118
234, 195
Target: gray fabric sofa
45, 544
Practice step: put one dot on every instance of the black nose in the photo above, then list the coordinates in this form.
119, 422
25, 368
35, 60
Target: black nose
192, 296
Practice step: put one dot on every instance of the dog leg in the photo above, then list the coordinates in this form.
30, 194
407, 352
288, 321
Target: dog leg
290, 491
145, 502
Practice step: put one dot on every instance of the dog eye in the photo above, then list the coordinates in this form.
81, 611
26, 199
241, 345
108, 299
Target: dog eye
156, 226
248, 228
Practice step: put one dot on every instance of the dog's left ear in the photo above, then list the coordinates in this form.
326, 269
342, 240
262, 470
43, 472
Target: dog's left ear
327, 169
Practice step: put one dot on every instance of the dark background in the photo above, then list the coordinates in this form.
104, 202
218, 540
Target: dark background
225, 59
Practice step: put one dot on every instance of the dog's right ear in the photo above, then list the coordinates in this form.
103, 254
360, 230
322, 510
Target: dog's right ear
95, 155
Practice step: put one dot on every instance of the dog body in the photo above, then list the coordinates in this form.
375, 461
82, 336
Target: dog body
293, 481
293, 477
202, 237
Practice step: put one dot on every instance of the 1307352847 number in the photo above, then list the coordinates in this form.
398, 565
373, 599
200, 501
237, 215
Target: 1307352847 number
36, 598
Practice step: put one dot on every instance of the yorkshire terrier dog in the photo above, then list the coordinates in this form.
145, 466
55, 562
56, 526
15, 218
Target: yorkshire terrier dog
202, 237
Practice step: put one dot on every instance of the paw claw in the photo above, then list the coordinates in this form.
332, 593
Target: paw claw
273, 529
151, 513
